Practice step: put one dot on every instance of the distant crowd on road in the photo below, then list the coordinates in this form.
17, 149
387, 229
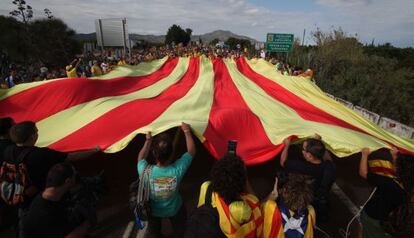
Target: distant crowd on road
40, 191
91, 65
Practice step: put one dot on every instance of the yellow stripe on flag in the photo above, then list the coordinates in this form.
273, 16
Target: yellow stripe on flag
141, 69
74, 118
193, 108
281, 121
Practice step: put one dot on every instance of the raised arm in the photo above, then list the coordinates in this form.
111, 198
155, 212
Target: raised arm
80, 155
363, 164
285, 151
143, 153
188, 138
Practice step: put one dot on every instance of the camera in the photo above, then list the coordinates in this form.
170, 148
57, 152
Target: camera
231, 147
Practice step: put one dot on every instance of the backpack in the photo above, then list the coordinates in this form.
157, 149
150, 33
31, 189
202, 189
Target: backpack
142, 210
204, 221
14, 178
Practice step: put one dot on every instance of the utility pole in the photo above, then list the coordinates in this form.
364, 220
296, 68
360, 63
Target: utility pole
303, 38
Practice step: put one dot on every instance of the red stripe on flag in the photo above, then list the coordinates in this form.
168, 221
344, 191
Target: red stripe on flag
231, 119
45, 100
304, 109
121, 121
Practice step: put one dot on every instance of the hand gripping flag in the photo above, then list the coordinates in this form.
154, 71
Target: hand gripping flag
222, 99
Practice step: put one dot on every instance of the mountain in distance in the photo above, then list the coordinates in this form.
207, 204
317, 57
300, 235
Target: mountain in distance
207, 37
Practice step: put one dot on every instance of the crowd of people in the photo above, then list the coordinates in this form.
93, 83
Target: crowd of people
91, 65
227, 206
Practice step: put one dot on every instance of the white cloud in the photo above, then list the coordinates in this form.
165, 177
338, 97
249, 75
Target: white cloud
381, 19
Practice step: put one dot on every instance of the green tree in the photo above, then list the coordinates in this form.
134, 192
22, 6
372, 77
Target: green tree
376, 82
23, 12
48, 13
233, 42
12, 39
177, 35
53, 42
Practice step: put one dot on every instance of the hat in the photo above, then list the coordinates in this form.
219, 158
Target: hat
240, 211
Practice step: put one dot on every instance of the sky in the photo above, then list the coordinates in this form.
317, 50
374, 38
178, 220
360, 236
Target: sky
379, 20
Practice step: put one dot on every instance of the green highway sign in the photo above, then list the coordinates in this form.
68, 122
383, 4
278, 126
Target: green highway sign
276, 42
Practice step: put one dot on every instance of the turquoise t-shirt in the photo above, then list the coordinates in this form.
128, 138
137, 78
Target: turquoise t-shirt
165, 183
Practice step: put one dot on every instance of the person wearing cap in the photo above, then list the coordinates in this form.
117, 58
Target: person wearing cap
71, 69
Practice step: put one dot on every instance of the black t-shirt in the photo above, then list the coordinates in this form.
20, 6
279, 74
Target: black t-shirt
304, 167
38, 162
46, 219
389, 195
4, 143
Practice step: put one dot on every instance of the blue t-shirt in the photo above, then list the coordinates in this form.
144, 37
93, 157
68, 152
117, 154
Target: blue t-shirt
165, 183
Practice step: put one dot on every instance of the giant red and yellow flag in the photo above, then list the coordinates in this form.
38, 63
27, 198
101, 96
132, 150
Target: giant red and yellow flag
222, 99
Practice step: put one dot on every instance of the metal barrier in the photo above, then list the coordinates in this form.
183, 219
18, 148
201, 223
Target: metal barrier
385, 123
374, 117
396, 127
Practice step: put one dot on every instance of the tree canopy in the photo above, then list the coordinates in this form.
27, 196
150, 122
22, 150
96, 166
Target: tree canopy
378, 78
176, 35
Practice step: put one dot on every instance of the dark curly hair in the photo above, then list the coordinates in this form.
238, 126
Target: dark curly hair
229, 177
297, 192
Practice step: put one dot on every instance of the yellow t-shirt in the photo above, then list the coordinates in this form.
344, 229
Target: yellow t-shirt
121, 62
71, 71
96, 70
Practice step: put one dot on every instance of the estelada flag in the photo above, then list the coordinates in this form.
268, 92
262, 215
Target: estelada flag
222, 99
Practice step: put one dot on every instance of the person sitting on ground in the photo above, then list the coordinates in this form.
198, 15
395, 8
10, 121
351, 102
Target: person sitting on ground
225, 209
71, 69
318, 164
47, 216
165, 180
392, 191
291, 214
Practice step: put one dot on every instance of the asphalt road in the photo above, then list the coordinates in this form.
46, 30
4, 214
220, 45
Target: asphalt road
120, 171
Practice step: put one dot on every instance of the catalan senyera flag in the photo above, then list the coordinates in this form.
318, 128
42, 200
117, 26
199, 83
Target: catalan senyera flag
222, 99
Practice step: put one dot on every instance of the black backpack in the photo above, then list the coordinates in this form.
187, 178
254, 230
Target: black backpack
204, 221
